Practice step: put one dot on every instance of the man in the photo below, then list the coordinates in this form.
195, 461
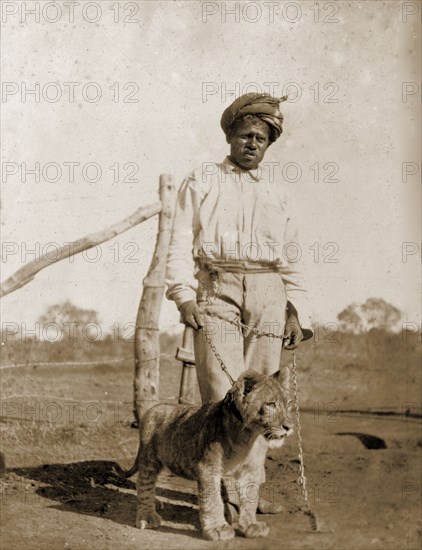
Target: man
234, 254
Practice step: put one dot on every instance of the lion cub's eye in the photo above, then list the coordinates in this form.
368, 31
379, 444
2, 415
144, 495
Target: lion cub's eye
268, 408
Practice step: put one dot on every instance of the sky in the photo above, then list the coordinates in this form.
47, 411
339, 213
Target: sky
125, 92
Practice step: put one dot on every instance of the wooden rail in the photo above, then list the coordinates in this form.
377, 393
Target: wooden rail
25, 274
147, 344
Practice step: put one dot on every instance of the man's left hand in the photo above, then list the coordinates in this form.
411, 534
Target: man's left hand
293, 332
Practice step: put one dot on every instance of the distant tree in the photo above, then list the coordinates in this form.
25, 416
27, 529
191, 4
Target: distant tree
380, 314
68, 321
350, 319
374, 313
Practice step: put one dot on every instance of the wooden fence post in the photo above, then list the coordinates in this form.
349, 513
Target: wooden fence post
147, 344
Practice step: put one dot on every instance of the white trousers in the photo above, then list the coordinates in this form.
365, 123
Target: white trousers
256, 299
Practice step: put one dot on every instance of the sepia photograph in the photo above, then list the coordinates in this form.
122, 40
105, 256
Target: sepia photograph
211, 321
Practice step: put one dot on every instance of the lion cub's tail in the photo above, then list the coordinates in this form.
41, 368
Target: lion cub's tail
135, 467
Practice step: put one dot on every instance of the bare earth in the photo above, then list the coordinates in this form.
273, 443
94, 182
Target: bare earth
66, 430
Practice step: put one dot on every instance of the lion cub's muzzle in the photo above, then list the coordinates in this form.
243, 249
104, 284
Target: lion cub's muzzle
279, 433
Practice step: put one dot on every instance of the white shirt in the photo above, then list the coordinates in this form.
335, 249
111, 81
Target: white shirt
226, 214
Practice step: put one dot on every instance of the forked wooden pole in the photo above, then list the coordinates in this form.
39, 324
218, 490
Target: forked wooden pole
147, 345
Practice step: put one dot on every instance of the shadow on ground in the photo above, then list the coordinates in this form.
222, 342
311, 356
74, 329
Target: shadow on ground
98, 488
367, 440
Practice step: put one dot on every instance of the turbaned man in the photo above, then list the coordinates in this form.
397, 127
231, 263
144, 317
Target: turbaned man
235, 253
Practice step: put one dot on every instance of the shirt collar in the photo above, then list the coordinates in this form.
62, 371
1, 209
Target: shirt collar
255, 174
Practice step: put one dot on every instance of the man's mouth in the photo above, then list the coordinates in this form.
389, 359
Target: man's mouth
250, 154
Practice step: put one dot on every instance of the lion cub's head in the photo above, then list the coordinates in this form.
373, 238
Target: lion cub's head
261, 403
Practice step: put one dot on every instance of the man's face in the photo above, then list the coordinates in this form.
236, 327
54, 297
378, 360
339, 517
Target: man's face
249, 143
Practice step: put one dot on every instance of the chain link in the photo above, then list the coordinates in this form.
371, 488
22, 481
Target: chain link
302, 481
218, 357
255, 330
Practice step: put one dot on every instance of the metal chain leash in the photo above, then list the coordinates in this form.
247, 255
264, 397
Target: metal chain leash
219, 358
255, 330
302, 477
302, 481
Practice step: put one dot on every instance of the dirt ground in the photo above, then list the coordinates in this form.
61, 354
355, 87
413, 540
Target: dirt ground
66, 430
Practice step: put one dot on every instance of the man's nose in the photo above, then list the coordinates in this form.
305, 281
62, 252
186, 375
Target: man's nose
252, 143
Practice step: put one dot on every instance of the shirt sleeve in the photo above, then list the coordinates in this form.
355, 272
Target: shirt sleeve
293, 270
180, 270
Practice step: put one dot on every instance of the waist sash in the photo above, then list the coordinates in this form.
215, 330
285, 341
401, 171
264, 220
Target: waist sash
245, 267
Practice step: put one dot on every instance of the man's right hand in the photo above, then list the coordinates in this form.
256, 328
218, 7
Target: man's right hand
191, 314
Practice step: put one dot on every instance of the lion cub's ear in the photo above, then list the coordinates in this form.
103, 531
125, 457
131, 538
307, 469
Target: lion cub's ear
248, 380
229, 401
228, 398
283, 378
248, 385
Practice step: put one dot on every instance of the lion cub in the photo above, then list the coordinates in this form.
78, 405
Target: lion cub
230, 437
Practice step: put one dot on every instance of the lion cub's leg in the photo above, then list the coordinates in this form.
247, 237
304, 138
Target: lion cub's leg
248, 491
147, 517
248, 497
211, 507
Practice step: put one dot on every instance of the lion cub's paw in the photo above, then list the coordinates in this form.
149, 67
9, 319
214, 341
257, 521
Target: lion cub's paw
224, 532
150, 520
254, 530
